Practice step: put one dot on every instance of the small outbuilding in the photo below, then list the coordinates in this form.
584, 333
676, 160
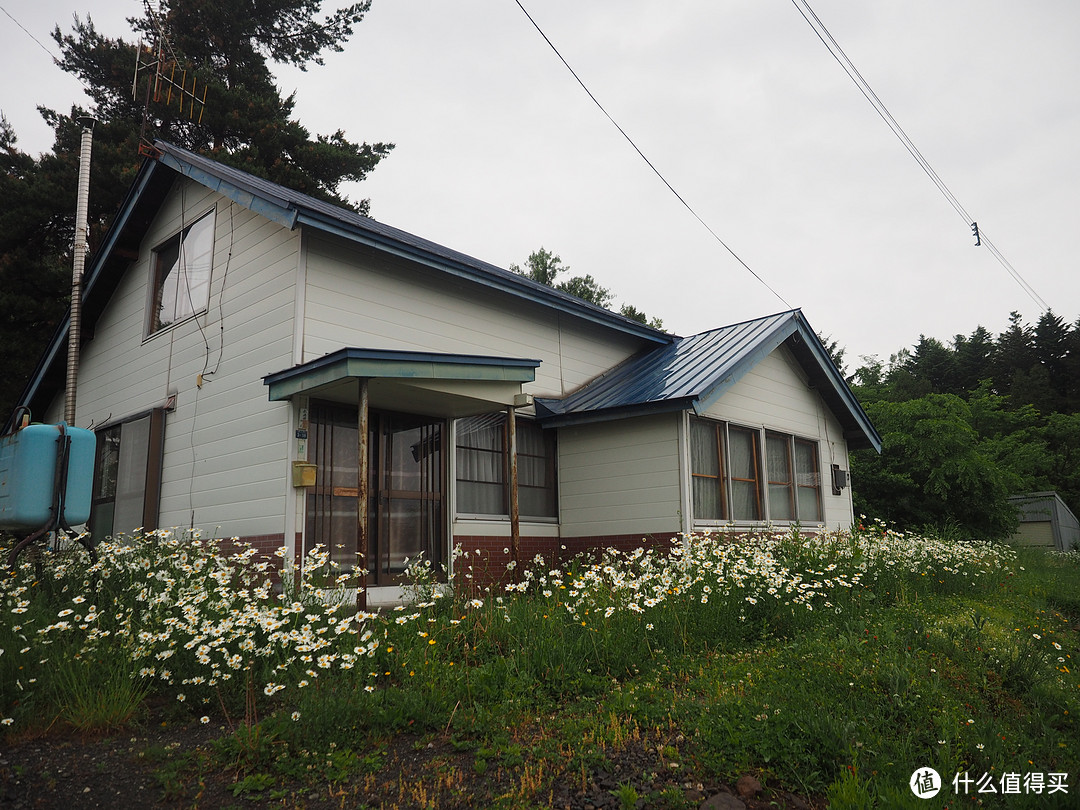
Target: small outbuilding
1046, 521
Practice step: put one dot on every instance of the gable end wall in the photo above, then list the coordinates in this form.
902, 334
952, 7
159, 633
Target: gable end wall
775, 395
226, 446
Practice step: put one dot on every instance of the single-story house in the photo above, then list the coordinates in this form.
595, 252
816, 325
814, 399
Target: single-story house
1045, 521
249, 351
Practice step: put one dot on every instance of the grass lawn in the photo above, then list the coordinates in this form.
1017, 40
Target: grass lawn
831, 669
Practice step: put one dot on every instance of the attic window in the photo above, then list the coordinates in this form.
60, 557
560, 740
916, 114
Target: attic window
182, 274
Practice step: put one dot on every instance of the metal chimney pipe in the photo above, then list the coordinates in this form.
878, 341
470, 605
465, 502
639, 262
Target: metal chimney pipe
81, 249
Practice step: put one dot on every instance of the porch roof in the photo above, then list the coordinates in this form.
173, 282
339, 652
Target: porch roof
330, 371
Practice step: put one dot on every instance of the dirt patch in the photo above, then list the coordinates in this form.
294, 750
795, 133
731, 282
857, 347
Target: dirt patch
174, 765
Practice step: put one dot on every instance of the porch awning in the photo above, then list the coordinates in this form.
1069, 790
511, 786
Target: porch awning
431, 382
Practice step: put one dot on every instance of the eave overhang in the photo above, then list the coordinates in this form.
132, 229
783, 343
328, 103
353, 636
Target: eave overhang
381, 364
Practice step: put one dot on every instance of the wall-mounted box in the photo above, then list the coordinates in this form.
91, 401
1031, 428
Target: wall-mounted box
303, 474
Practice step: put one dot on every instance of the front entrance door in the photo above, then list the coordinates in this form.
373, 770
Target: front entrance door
406, 515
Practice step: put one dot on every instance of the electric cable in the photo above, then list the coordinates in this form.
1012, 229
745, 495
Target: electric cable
830, 43
27, 32
648, 162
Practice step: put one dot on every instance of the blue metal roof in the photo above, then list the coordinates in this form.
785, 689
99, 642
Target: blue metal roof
292, 208
693, 372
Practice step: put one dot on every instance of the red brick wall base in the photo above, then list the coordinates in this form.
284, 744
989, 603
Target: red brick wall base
483, 560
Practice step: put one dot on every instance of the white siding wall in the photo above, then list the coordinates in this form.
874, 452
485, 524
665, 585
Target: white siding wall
775, 395
226, 450
357, 299
620, 477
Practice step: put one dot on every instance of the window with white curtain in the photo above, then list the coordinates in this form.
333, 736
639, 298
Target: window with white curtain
781, 485
808, 481
731, 481
182, 274
483, 467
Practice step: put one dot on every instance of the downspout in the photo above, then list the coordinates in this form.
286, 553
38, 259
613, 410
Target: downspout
74, 325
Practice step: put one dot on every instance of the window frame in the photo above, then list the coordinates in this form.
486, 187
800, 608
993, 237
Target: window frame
760, 505
150, 458
794, 479
773, 481
816, 473
551, 470
159, 275
719, 430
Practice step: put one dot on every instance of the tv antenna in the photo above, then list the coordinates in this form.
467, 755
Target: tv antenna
166, 81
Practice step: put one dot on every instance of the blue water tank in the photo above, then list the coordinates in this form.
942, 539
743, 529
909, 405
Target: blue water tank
28, 460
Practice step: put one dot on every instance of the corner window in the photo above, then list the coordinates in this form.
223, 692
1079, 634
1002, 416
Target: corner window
483, 467
731, 481
707, 470
182, 274
127, 476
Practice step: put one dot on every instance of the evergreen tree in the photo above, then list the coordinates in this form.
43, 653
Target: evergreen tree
933, 366
545, 267
1014, 356
226, 45
1072, 370
35, 256
1017, 404
1050, 350
836, 354
974, 358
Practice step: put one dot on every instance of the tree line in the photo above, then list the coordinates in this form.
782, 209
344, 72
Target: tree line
967, 423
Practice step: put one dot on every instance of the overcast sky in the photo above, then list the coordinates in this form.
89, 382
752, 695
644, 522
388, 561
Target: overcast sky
741, 108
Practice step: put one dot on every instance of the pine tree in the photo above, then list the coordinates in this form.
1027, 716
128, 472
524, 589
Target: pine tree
227, 46
973, 358
224, 47
1051, 347
1014, 355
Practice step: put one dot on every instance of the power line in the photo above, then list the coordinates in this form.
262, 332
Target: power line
648, 162
827, 39
27, 32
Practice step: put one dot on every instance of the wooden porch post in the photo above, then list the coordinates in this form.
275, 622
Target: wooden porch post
364, 477
515, 516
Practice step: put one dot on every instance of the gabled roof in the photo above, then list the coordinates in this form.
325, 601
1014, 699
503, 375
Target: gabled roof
291, 209
694, 372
